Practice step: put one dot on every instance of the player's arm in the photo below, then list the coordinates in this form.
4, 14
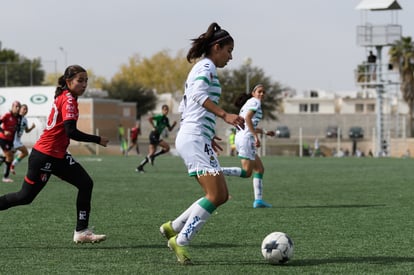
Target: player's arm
265, 132
29, 129
231, 119
250, 126
151, 122
170, 128
73, 133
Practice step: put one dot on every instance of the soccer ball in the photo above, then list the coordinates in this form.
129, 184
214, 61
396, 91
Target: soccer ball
277, 248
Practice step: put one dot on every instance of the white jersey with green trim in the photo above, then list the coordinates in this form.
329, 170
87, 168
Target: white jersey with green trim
254, 105
202, 83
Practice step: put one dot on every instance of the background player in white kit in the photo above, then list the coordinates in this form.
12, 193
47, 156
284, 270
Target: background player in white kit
17, 143
247, 140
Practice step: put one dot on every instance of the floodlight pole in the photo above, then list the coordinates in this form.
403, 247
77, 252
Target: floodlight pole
379, 87
378, 36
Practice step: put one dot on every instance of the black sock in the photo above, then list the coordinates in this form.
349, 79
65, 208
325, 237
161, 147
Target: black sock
144, 162
7, 169
160, 152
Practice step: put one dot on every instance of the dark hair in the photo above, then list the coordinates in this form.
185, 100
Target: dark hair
70, 73
241, 99
202, 45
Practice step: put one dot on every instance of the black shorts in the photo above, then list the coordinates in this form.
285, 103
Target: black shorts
42, 166
154, 137
6, 145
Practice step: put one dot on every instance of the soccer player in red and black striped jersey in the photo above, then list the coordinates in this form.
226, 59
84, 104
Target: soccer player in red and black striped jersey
9, 122
49, 155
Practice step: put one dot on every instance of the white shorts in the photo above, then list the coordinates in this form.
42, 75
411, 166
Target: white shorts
197, 153
17, 143
245, 146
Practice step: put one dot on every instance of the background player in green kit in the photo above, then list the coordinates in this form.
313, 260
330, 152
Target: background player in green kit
159, 122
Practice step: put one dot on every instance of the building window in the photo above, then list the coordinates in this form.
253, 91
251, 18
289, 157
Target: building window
313, 94
371, 108
303, 108
314, 108
359, 108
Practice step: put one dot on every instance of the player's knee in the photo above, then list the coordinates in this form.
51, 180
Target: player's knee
85, 184
248, 174
24, 198
222, 199
89, 184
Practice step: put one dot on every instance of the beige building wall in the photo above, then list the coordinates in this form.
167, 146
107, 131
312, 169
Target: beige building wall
104, 116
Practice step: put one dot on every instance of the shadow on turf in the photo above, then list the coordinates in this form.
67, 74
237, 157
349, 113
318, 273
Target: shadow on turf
336, 206
104, 246
382, 260
84, 246
379, 260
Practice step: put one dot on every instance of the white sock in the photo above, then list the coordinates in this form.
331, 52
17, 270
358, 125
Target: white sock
234, 171
15, 162
198, 217
180, 221
258, 186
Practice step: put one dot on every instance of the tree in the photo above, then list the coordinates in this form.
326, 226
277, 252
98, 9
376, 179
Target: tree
16, 70
94, 81
161, 72
122, 89
233, 84
51, 79
402, 58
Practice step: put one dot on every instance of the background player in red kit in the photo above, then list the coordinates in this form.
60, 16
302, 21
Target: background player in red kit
49, 155
9, 122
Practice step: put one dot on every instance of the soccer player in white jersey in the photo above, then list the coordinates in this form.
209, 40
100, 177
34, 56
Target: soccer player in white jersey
196, 139
17, 143
247, 140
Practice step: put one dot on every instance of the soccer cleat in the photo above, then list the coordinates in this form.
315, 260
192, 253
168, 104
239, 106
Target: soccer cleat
180, 251
87, 236
139, 169
167, 231
12, 170
8, 180
261, 204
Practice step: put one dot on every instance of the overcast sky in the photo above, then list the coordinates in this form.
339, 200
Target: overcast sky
303, 44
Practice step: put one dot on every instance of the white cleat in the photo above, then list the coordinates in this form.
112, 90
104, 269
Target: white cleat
8, 180
87, 236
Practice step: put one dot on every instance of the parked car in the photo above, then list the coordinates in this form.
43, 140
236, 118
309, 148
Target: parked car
332, 132
356, 132
282, 132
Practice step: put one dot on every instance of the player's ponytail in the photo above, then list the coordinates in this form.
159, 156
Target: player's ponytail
241, 99
202, 45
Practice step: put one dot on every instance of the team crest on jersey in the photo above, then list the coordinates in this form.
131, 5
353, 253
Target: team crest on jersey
43, 177
213, 161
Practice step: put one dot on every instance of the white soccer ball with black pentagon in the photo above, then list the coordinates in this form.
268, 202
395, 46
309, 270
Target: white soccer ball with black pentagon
277, 248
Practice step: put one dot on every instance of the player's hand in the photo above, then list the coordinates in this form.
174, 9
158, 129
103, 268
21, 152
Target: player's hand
104, 141
216, 147
235, 120
271, 133
257, 142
